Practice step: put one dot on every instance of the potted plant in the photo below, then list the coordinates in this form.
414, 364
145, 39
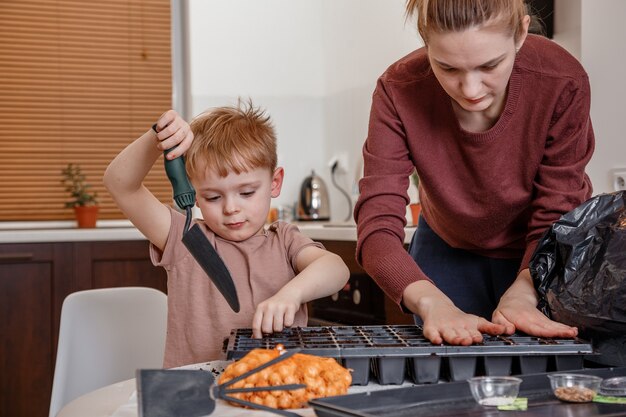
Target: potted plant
415, 206
83, 200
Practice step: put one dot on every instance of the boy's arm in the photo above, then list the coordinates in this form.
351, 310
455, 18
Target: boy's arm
322, 273
124, 176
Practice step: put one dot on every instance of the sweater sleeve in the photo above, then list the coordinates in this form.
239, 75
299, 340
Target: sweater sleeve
380, 212
561, 183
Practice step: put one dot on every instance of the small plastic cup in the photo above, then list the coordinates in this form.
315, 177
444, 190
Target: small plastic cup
614, 387
574, 388
494, 390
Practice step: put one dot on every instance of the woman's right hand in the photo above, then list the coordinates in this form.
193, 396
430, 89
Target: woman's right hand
173, 131
443, 321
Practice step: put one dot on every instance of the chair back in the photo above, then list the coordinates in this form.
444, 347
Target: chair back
104, 336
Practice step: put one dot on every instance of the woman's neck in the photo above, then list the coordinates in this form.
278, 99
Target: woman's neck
479, 121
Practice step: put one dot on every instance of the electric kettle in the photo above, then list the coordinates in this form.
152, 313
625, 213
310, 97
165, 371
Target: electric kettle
313, 202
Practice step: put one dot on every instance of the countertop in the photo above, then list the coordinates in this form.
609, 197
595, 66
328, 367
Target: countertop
112, 230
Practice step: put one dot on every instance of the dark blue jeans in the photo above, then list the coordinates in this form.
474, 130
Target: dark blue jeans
474, 283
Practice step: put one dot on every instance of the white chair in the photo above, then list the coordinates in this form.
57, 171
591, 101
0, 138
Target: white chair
105, 335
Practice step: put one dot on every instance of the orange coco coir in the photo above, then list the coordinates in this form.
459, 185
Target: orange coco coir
323, 377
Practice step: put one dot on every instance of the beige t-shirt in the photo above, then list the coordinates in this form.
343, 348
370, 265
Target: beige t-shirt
199, 318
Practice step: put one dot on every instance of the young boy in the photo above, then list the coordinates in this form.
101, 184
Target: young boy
231, 162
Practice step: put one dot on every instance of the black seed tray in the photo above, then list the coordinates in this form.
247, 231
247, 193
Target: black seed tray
393, 353
454, 400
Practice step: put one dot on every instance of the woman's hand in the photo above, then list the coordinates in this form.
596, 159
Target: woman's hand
517, 310
275, 313
173, 131
443, 321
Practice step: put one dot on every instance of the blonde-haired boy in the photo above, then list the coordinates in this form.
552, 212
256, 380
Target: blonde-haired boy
231, 162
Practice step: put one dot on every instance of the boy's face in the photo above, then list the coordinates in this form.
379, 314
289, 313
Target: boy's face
235, 207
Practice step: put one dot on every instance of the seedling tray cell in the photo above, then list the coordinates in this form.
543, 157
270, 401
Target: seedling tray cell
360, 369
393, 353
498, 365
390, 371
425, 370
461, 367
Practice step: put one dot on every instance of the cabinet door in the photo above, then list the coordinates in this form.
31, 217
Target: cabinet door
360, 302
27, 274
118, 264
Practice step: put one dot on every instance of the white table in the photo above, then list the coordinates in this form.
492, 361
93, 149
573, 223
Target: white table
115, 401
118, 400
102, 402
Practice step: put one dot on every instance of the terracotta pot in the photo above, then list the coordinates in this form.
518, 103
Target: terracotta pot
416, 209
86, 216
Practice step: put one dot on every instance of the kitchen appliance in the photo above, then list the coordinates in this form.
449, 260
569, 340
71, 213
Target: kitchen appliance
193, 238
313, 203
388, 351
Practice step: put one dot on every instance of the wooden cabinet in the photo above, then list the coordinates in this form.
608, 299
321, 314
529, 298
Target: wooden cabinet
35, 278
361, 302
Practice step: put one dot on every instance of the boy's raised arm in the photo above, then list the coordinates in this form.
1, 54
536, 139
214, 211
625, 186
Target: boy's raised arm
125, 174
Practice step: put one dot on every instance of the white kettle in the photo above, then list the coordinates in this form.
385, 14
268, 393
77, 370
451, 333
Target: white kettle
313, 202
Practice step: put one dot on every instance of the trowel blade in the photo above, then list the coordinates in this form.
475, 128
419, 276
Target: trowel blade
174, 393
209, 260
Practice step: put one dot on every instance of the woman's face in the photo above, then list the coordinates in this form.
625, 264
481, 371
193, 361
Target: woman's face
474, 66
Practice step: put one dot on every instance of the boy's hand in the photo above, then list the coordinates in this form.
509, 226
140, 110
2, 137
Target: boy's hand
275, 313
173, 131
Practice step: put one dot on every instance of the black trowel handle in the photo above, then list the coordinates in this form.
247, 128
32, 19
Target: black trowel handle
184, 194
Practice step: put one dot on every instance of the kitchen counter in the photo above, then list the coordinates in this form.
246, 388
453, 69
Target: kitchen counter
113, 230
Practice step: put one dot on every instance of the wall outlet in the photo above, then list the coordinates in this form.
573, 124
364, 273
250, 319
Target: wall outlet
341, 159
619, 179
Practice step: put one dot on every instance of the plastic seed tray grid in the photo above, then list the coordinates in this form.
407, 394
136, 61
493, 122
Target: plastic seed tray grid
393, 353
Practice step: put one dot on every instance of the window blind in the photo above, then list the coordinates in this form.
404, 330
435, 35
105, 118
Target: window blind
80, 80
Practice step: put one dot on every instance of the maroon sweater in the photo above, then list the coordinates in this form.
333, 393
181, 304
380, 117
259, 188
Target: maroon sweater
492, 193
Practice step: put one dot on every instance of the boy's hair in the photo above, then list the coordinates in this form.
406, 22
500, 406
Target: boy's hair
441, 16
232, 139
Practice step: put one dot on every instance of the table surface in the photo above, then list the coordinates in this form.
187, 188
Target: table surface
102, 402
119, 400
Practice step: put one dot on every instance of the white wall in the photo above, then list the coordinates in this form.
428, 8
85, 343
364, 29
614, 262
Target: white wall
603, 53
594, 32
312, 64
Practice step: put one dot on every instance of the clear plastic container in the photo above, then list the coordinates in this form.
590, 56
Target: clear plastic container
574, 388
614, 387
494, 390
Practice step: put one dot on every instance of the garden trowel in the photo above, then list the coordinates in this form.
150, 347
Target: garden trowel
193, 238
192, 393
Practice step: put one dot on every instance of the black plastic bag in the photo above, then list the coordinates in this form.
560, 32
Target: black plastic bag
579, 266
579, 270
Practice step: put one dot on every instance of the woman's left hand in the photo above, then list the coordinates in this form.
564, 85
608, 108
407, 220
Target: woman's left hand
517, 310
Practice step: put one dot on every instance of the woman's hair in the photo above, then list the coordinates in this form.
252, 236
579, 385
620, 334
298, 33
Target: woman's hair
456, 15
232, 139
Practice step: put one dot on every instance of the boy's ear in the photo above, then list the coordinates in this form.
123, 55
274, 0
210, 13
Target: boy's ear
277, 181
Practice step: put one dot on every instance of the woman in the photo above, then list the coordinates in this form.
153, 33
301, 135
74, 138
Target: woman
496, 123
